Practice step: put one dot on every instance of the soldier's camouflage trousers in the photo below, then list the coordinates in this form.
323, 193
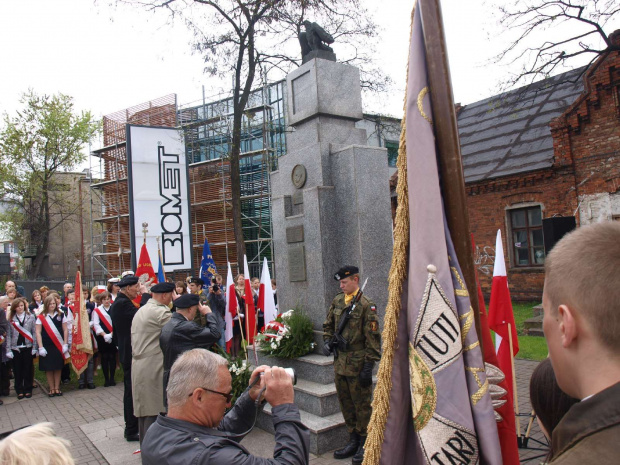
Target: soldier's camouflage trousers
354, 403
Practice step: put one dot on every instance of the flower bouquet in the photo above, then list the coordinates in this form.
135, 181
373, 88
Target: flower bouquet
290, 335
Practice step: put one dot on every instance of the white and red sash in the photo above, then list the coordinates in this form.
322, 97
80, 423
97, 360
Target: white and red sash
23, 331
53, 333
104, 318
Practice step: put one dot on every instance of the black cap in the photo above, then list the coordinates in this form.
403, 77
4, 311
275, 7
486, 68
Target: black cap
128, 281
197, 281
162, 288
187, 301
345, 272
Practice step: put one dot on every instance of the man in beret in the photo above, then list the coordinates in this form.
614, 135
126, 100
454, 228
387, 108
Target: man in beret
353, 361
195, 287
122, 313
182, 333
147, 367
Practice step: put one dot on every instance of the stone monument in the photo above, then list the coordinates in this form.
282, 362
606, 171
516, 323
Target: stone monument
330, 207
330, 195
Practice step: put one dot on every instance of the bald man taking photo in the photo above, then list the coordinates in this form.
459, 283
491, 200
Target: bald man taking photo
196, 430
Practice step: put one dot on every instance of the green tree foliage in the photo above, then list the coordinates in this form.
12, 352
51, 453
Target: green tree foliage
45, 137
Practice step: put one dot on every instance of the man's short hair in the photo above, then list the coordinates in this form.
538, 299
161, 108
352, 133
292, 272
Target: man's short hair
582, 272
195, 368
35, 444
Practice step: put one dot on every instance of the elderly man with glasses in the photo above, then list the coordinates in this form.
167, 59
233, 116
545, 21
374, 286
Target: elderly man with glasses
196, 430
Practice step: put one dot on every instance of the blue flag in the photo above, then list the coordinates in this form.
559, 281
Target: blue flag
161, 276
207, 265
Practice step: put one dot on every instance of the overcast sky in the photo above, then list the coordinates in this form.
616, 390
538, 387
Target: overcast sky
109, 58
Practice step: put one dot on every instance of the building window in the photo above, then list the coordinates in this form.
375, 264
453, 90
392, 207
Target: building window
527, 236
392, 148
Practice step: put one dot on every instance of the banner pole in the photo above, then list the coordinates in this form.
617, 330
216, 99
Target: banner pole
514, 383
448, 147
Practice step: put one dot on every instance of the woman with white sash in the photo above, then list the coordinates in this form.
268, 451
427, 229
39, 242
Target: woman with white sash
51, 328
106, 341
22, 346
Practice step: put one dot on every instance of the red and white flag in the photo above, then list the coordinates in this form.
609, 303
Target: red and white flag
231, 309
266, 301
505, 417
250, 314
501, 317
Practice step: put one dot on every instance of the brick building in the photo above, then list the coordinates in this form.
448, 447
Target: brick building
551, 149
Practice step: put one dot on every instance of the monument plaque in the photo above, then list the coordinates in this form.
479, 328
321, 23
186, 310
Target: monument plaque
295, 234
297, 263
298, 198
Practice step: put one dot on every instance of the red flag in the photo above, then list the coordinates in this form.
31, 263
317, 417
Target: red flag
145, 267
144, 270
250, 314
506, 426
82, 346
501, 318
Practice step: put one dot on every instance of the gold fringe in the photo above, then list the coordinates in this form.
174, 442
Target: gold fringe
398, 274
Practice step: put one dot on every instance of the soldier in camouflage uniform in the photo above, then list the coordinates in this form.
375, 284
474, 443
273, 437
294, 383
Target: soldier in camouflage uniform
195, 287
354, 363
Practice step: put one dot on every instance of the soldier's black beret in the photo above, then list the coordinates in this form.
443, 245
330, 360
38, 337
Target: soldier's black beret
345, 272
187, 301
162, 288
128, 281
197, 281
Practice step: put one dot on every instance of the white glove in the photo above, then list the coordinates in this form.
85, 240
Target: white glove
107, 338
42, 351
9, 355
34, 352
65, 348
91, 324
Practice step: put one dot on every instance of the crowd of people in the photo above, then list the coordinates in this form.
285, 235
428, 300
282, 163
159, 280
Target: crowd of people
164, 354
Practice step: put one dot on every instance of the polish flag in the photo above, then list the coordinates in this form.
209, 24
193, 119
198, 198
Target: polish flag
501, 318
506, 428
250, 314
231, 309
265, 295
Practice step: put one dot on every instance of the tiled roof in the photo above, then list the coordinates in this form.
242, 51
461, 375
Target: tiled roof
509, 133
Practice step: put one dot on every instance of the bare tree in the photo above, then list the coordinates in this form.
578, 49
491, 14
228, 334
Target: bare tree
244, 38
573, 29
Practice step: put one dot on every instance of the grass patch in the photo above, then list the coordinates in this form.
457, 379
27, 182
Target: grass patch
98, 379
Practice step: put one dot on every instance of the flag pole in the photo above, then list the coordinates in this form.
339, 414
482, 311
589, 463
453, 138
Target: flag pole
514, 383
448, 146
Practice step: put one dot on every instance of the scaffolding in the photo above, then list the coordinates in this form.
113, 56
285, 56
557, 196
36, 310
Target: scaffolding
110, 238
208, 134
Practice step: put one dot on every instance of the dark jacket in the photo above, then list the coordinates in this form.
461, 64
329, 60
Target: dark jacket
217, 303
122, 312
589, 432
176, 442
180, 335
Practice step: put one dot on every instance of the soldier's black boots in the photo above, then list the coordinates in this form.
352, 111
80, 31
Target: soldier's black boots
358, 458
350, 449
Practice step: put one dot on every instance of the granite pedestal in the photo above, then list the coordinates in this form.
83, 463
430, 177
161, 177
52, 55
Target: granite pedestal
330, 208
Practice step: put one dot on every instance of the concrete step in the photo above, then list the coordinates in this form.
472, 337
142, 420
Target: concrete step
538, 310
315, 367
315, 398
533, 324
326, 433
535, 332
